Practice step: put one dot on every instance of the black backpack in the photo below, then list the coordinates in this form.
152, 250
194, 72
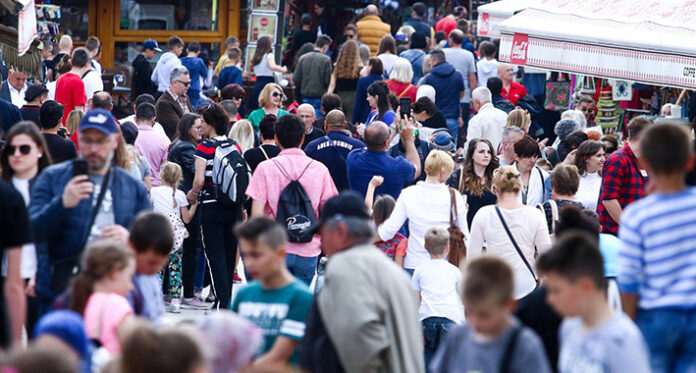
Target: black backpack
295, 211
231, 174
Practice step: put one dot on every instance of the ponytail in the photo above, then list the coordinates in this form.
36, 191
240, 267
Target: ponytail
82, 288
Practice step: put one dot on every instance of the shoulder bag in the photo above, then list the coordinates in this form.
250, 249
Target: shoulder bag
514, 243
457, 246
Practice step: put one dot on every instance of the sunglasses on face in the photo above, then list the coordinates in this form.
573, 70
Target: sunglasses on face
276, 94
590, 110
186, 84
23, 149
349, 36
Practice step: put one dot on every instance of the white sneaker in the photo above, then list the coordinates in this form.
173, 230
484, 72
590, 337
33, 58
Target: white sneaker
194, 304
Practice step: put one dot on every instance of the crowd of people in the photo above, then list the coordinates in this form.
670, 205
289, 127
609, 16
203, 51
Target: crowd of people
398, 215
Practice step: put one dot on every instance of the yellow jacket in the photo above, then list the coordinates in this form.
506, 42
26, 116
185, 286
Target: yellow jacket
371, 29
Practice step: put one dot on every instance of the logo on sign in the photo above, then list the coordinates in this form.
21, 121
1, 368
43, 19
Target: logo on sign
483, 28
264, 22
518, 54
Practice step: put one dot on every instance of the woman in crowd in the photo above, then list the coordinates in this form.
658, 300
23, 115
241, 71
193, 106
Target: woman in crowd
24, 156
139, 165
564, 185
528, 234
589, 159
344, 79
243, 133
399, 82
271, 100
533, 178
235, 93
423, 213
474, 178
386, 52
373, 73
611, 144
73, 120
519, 118
378, 98
264, 67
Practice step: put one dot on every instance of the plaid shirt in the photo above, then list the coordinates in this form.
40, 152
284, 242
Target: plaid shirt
623, 181
181, 100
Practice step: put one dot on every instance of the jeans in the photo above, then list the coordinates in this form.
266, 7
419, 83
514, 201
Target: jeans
453, 127
434, 331
190, 254
315, 102
671, 338
220, 245
465, 108
302, 267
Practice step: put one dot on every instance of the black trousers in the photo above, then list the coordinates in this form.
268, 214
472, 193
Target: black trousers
220, 245
190, 254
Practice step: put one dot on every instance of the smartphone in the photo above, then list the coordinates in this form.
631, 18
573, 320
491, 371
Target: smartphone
405, 107
79, 167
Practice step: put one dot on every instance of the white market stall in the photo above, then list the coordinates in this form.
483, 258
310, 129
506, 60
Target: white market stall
491, 15
647, 41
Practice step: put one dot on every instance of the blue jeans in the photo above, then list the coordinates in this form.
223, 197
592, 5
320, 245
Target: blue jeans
434, 331
315, 102
302, 267
453, 127
671, 338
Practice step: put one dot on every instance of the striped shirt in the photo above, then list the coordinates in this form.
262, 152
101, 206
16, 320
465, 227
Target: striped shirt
657, 258
206, 151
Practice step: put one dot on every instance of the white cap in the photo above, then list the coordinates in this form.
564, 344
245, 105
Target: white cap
426, 90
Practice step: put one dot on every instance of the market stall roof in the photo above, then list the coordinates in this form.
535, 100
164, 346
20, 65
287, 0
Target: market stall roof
648, 41
491, 15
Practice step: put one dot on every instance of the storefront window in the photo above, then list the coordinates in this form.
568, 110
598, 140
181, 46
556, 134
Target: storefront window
125, 53
169, 15
74, 15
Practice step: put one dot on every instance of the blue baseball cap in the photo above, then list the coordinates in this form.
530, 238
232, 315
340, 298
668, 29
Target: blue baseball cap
151, 44
67, 326
99, 119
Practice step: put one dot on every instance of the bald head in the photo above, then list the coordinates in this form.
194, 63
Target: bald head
102, 100
371, 10
506, 72
65, 44
335, 119
377, 136
306, 113
456, 37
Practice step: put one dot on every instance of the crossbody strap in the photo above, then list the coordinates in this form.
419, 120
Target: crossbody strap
554, 215
454, 215
264, 152
97, 206
405, 90
514, 243
334, 147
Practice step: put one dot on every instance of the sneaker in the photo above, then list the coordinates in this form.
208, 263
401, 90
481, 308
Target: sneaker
210, 299
167, 299
194, 304
236, 279
173, 308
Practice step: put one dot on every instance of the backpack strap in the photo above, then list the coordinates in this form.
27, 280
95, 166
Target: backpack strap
506, 361
405, 90
554, 215
264, 152
285, 173
543, 184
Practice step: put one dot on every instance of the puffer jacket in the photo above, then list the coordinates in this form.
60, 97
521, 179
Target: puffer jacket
371, 29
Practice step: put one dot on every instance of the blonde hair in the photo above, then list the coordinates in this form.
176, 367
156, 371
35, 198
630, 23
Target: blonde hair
438, 161
507, 179
348, 63
426, 65
170, 173
243, 133
264, 96
73, 121
402, 71
519, 118
436, 240
407, 30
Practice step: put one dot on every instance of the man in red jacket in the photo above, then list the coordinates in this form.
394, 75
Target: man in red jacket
511, 90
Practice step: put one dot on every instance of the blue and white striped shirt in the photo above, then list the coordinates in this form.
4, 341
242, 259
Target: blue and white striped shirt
657, 258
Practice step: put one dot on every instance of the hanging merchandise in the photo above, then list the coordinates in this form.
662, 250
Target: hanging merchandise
557, 95
621, 90
48, 17
26, 27
607, 112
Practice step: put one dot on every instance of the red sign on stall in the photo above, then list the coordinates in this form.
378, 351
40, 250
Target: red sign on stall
484, 26
518, 54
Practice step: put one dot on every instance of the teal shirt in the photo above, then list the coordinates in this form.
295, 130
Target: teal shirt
277, 312
258, 114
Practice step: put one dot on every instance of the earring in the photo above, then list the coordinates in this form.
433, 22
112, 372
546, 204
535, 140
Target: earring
40, 155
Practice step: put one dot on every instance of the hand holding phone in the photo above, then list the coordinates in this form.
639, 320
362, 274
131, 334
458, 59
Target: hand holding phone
405, 107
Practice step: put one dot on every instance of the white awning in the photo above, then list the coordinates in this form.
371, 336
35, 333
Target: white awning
491, 15
648, 41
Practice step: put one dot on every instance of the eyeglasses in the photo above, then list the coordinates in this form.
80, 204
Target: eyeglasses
237, 98
23, 149
186, 84
276, 94
349, 36
586, 109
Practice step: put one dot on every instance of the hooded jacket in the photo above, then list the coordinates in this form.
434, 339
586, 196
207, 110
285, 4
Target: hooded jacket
486, 69
448, 84
162, 70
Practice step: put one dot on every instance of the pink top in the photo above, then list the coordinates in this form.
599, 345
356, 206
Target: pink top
268, 182
104, 313
153, 146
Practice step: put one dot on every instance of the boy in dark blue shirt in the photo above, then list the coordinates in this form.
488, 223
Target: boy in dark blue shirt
197, 70
231, 74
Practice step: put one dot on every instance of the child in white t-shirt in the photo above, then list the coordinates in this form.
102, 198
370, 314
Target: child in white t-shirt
438, 283
171, 202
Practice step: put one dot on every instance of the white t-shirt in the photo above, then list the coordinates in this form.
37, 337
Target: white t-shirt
486, 69
588, 191
439, 284
528, 227
29, 261
162, 200
93, 83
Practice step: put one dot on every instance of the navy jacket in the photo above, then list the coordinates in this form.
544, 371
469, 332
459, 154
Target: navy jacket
229, 75
448, 84
332, 150
419, 25
361, 109
5, 91
415, 57
9, 115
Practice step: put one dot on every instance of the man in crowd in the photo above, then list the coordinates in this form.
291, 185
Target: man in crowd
326, 22
587, 106
495, 85
312, 74
230, 42
623, 180
332, 149
149, 143
231, 110
93, 45
268, 148
305, 34
306, 113
68, 212
198, 71
511, 90
92, 77
449, 87
14, 88
60, 148
70, 89
449, 23
167, 62
464, 62
9, 115
145, 97
426, 113
416, 54
368, 300
488, 122
371, 29
418, 13
174, 103
142, 70
272, 177
511, 135
35, 96
65, 47
363, 164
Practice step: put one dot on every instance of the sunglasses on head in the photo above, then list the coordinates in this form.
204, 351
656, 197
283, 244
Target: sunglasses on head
276, 94
23, 149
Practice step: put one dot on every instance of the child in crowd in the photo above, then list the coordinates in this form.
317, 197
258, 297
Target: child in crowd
99, 292
593, 338
438, 283
544, 164
232, 74
146, 350
152, 240
171, 202
381, 210
275, 301
492, 340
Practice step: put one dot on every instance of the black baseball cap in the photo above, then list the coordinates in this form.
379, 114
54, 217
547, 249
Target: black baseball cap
347, 204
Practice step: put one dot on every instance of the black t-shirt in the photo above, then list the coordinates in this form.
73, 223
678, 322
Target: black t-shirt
254, 156
303, 37
60, 149
31, 113
315, 134
534, 312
